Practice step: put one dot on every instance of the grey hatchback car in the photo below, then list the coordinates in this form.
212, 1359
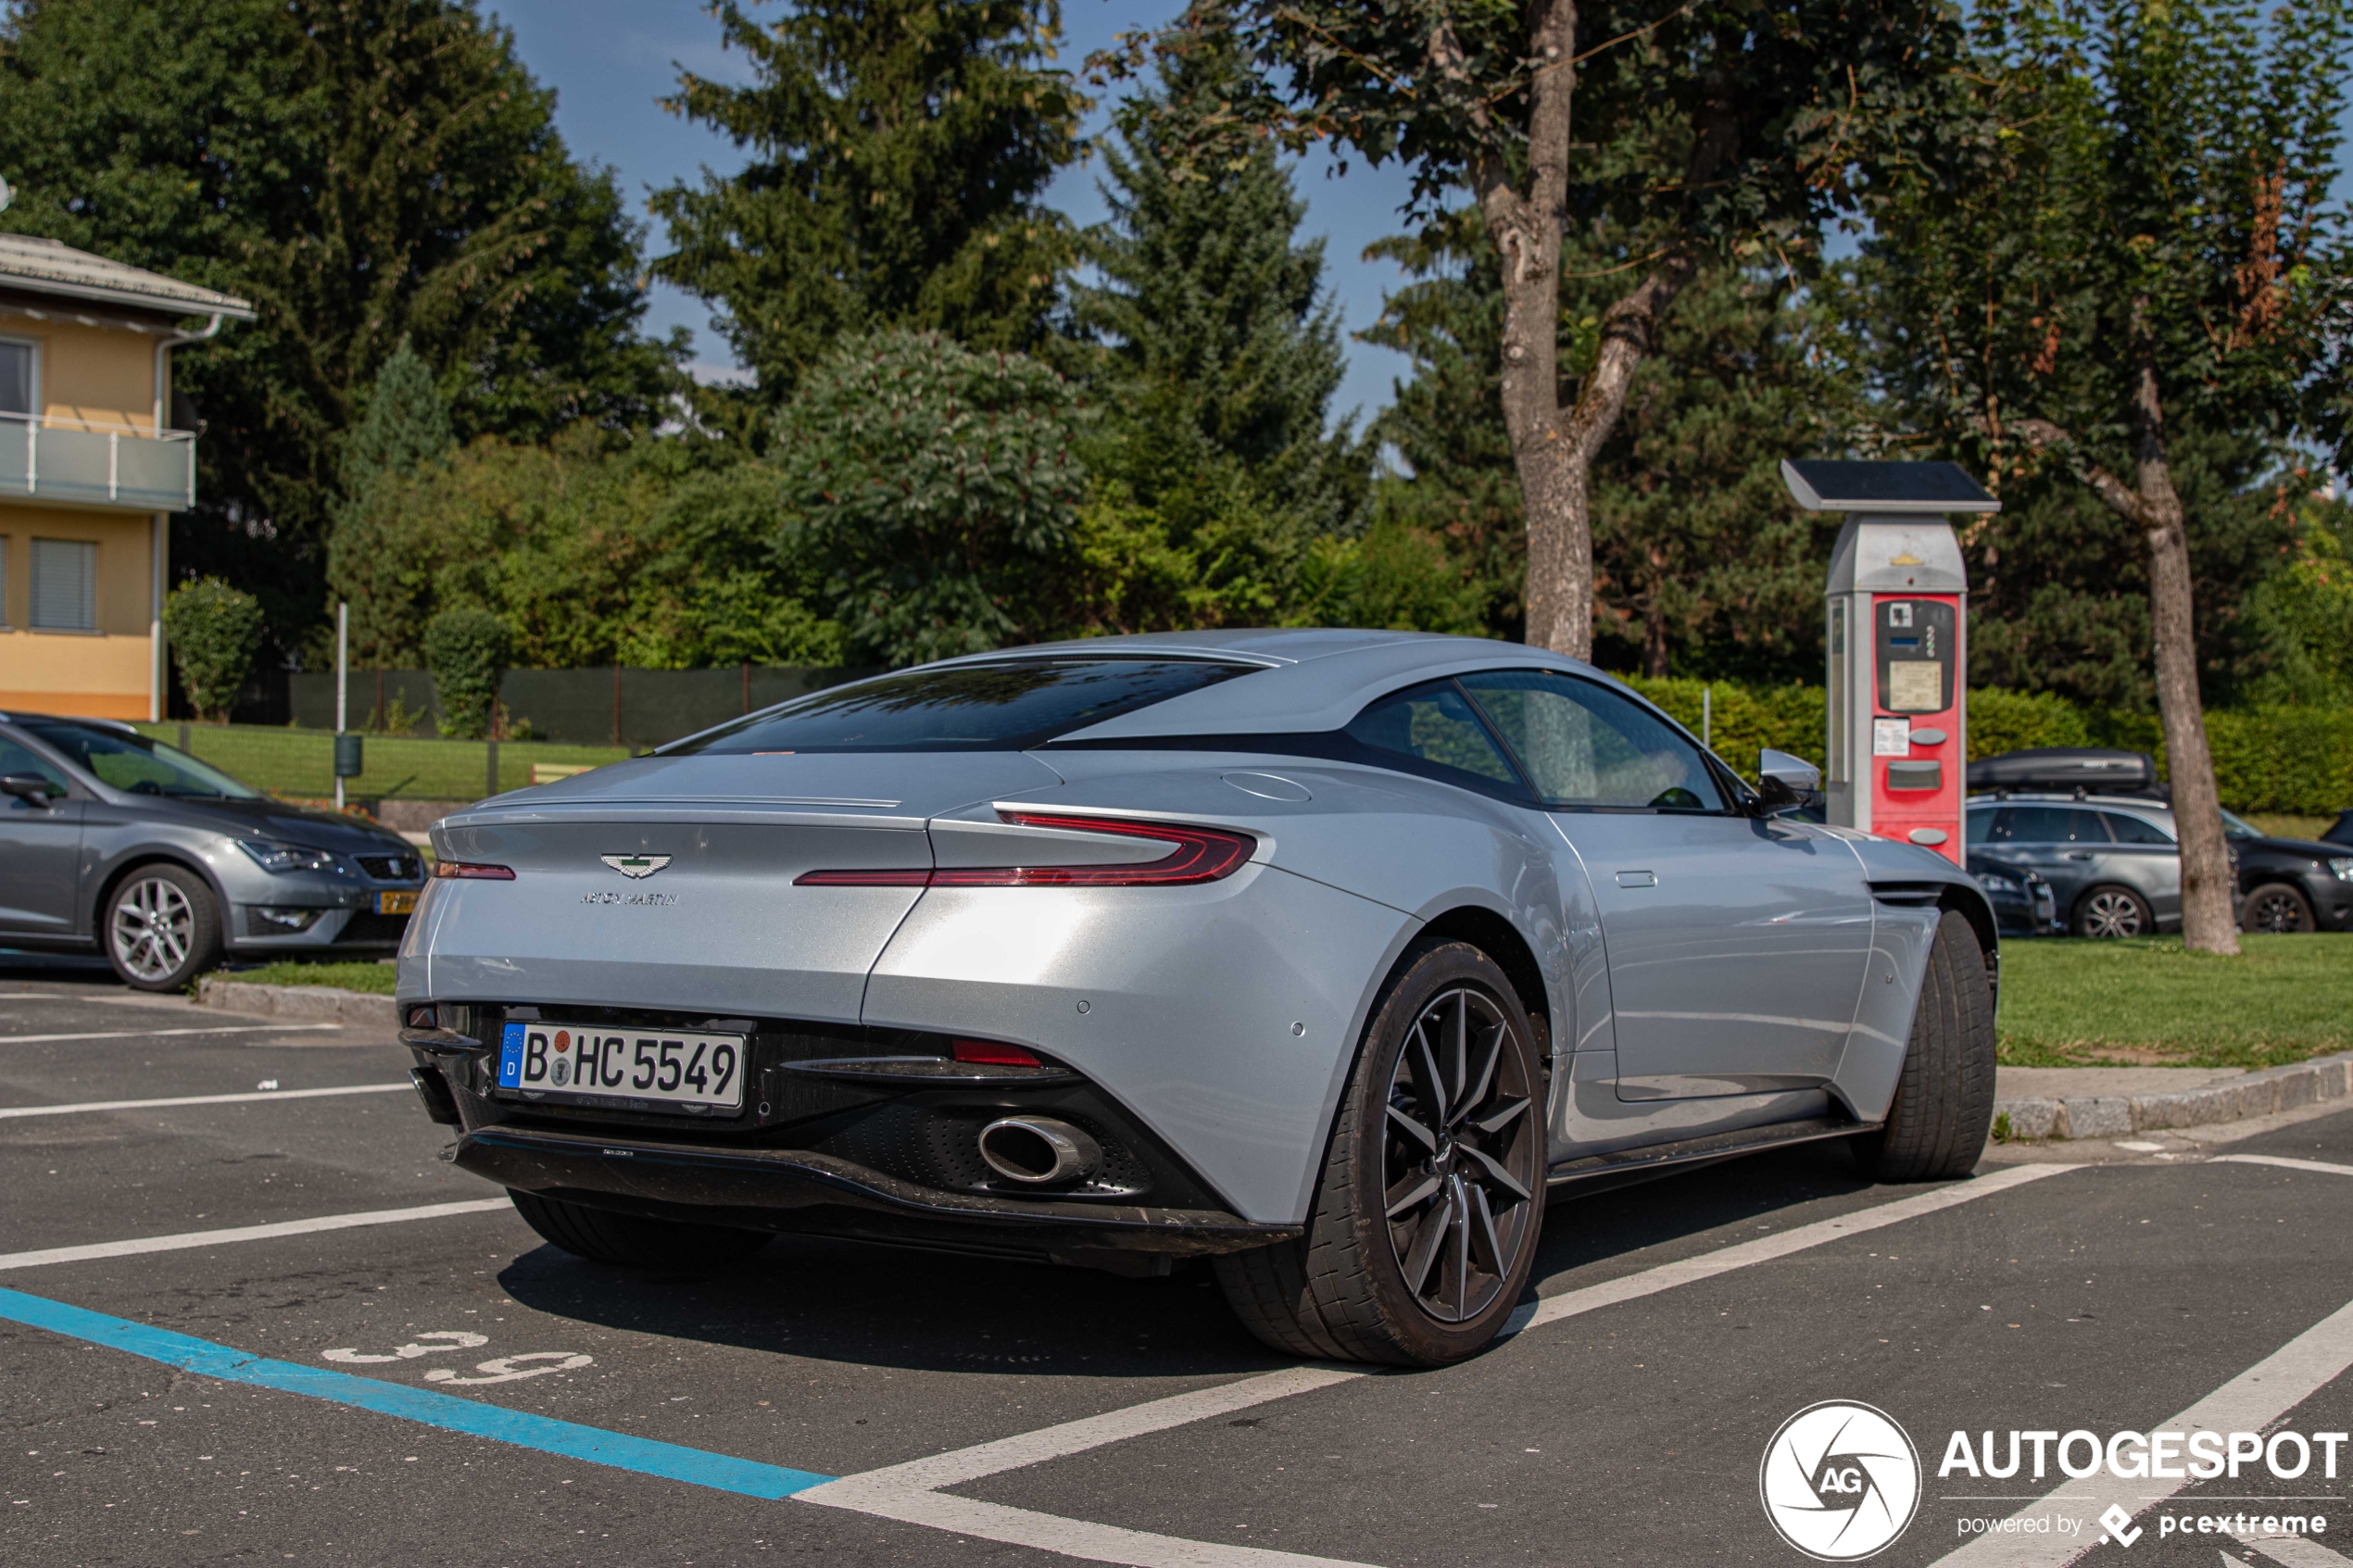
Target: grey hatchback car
115, 843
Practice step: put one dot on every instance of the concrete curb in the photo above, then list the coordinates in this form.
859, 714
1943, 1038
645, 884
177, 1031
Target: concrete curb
2114, 1116
327, 1003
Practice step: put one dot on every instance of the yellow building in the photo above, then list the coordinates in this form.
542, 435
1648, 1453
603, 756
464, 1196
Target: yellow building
91, 470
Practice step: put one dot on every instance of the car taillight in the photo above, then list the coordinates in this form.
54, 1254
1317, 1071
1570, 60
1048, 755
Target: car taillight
1196, 855
470, 869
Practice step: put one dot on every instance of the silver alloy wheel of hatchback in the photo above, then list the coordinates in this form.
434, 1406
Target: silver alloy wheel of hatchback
1461, 1165
2111, 912
154, 928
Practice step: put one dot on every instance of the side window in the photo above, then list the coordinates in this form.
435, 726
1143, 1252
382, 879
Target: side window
16, 759
1583, 745
2036, 824
1432, 724
1985, 826
2135, 830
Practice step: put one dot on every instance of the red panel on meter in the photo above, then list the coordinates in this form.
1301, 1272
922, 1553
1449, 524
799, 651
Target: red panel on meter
1915, 761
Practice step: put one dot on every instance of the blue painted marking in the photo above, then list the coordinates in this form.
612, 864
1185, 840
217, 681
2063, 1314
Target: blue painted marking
510, 1057
696, 1466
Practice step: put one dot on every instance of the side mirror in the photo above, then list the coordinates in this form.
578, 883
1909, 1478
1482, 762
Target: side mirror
31, 788
1784, 782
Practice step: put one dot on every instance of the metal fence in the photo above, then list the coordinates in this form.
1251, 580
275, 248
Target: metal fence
612, 705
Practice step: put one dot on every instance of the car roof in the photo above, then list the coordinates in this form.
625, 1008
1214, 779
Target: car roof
120, 726
1308, 679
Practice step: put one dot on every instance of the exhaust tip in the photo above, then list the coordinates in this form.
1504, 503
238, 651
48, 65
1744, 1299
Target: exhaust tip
1037, 1151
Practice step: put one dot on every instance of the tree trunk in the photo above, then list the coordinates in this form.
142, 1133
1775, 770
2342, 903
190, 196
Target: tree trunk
2207, 926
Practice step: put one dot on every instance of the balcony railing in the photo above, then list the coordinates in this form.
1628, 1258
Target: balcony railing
74, 460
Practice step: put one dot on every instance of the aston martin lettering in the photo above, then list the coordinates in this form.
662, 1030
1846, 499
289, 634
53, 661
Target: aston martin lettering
662, 899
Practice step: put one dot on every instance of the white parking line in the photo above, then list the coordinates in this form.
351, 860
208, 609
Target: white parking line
1765, 1248
6, 1113
187, 1240
160, 1033
2283, 1161
2248, 1402
909, 1492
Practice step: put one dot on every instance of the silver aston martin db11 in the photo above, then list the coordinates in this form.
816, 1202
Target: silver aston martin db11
1324, 955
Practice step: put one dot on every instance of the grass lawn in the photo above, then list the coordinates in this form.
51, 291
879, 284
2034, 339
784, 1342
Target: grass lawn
301, 763
2289, 827
365, 976
2146, 1003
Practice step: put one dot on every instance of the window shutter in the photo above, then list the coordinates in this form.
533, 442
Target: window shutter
65, 585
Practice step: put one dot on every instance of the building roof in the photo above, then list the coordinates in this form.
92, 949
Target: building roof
51, 267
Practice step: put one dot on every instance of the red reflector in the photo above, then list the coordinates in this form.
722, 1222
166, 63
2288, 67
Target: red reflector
988, 1053
1195, 855
470, 869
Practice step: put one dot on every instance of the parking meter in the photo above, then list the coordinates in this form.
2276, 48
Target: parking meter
1896, 646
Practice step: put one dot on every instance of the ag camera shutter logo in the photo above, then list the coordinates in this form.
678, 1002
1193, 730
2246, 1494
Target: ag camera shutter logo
1840, 1481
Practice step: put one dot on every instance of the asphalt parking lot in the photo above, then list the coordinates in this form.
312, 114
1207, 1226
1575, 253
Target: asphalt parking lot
379, 1365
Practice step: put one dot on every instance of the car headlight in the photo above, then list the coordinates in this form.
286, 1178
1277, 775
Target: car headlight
1992, 882
2342, 866
276, 855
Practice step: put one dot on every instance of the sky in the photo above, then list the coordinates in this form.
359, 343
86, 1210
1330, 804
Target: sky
608, 61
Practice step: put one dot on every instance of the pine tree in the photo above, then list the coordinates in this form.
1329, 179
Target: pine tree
899, 149
405, 430
1220, 349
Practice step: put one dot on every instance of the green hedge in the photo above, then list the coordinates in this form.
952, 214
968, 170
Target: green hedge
2291, 760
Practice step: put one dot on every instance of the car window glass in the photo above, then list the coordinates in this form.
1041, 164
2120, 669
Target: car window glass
1584, 745
136, 763
1436, 724
1006, 706
16, 759
2239, 827
2134, 830
2050, 825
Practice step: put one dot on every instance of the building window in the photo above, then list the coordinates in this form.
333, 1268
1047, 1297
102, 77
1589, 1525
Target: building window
65, 585
15, 377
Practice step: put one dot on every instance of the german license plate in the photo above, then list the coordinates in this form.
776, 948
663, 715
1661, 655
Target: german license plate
597, 1063
395, 903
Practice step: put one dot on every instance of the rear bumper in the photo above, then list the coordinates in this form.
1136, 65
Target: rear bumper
806, 1191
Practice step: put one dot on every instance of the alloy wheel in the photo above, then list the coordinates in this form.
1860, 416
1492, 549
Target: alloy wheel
2111, 914
154, 927
1460, 1166
2277, 913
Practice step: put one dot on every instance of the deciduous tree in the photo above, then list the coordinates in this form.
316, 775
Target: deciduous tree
2147, 247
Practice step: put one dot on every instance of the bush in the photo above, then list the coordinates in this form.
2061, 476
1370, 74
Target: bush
2005, 720
465, 650
937, 493
1746, 719
213, 631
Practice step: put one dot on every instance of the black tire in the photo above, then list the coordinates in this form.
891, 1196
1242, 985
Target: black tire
1943, 1105
2278, 908
2112, 910
1397, 1194
160, 927
630, 1241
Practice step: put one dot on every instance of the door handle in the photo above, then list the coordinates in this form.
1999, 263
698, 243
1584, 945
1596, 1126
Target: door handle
2079, 855
1637, 879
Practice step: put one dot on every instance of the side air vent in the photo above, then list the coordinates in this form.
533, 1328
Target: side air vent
1909, 894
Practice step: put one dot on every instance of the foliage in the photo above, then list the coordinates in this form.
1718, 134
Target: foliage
1746, 719
465, 650
661, 554
213, 631
1216, 350
2002, 721
372, 977
2303, 612
934, 490
363, 171
406, 424
898, 152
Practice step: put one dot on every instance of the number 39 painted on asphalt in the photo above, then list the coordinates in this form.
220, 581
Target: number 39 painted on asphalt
499, 1369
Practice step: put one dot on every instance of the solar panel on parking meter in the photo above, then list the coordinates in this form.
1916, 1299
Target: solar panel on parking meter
1896, 646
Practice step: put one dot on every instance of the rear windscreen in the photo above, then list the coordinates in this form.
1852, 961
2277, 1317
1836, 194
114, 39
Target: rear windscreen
998, 706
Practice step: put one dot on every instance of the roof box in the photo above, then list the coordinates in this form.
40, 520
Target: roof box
2068, 768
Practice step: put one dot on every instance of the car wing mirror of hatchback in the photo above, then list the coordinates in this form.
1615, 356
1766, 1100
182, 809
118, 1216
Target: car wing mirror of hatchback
1786, 783
31, 788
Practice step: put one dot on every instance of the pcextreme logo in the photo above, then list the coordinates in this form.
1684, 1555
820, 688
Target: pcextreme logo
1840, 1481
